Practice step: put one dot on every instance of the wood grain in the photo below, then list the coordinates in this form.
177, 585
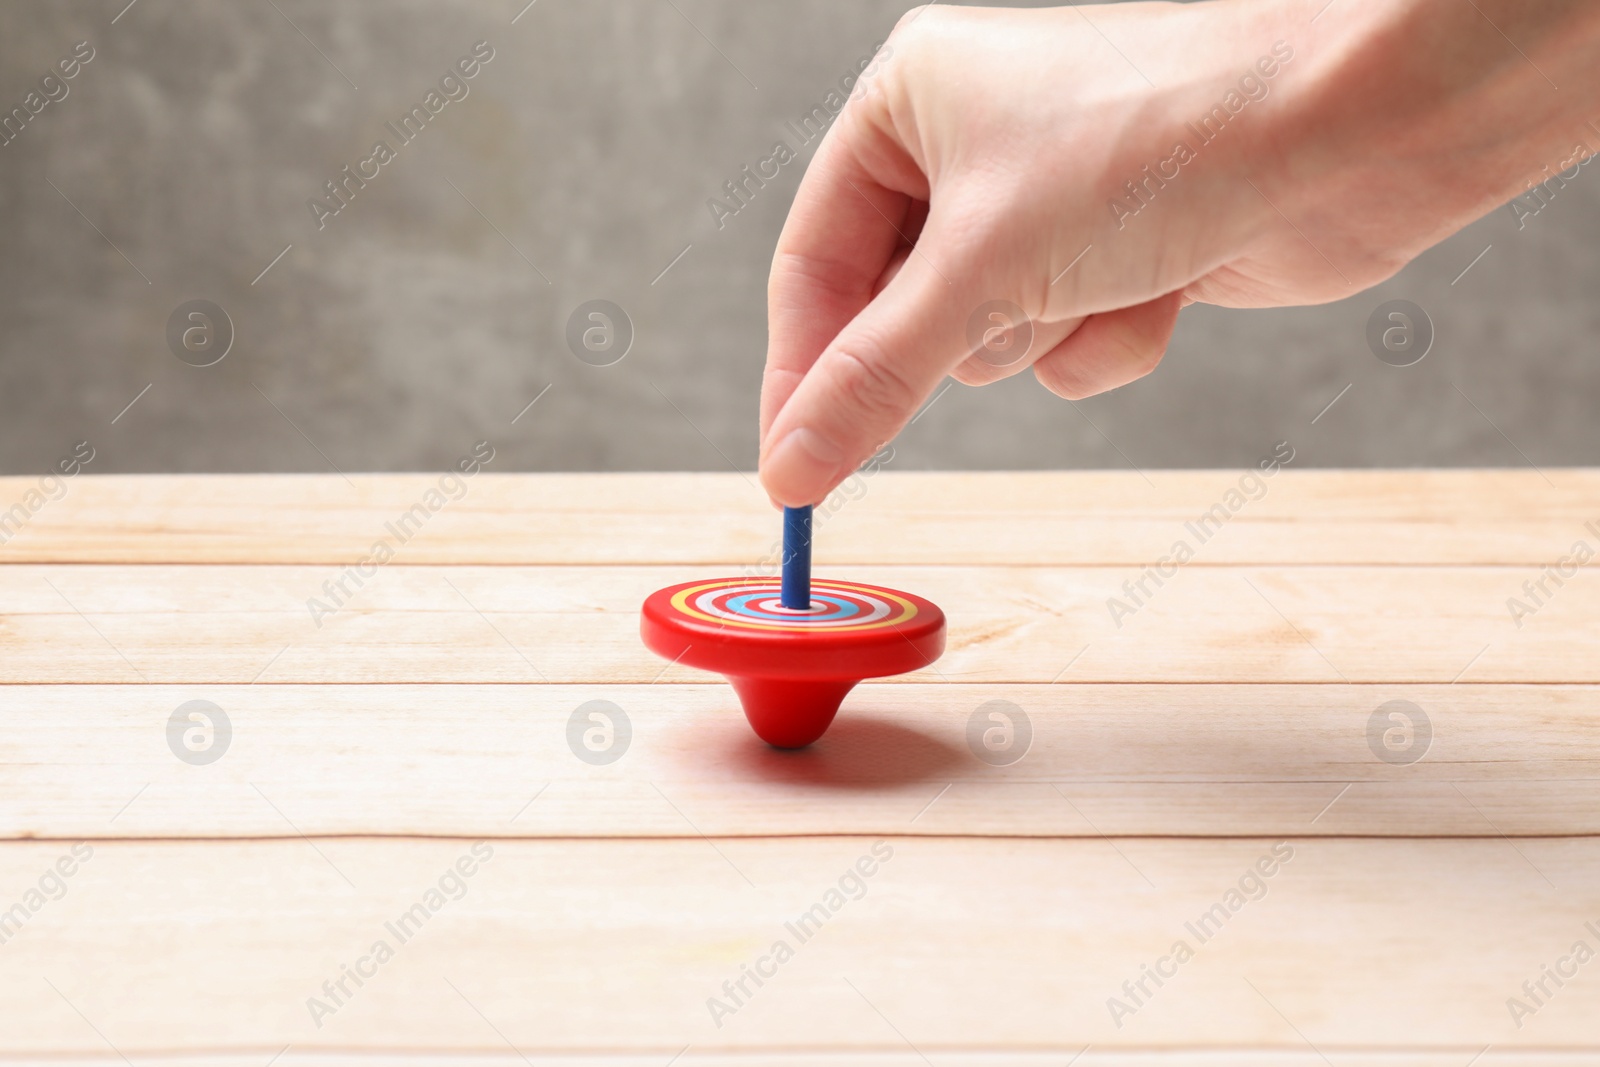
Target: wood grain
1044, 518
951, 945
1232, 712
498, 761
236, 624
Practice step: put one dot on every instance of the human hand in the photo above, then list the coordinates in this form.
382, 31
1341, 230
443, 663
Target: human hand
1097, 168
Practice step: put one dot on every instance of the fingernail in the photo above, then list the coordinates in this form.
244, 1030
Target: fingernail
800, 468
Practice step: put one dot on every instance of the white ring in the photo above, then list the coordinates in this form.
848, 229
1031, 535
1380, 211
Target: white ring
705, 602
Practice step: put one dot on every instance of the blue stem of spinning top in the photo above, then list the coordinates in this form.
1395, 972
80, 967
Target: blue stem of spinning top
797, 559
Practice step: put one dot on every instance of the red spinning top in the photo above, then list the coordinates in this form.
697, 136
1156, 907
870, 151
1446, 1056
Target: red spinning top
792, 666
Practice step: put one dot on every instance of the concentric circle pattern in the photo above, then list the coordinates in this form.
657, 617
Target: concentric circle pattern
755, 604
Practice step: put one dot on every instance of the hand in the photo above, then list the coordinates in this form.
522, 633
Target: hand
1101, 167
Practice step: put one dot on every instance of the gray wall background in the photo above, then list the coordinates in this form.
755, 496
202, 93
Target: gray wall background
417, 321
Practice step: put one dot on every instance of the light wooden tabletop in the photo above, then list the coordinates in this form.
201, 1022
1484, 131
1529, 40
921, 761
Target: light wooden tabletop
1320, 793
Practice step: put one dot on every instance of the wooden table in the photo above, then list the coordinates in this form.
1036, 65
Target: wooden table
1219, 770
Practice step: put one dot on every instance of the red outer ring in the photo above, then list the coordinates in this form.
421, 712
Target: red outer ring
817, 655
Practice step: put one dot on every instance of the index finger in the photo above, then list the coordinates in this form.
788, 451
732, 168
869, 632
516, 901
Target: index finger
839, 239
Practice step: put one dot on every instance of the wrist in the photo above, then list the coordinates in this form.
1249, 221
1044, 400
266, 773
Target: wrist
1436, 111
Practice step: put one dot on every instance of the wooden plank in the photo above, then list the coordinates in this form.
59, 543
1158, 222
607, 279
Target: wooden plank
1018, 898
233, 624
499, 761
1274, 1057
949, 945
1019, 519
1210, 1057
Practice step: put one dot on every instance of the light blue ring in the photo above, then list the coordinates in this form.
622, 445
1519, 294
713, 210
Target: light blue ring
844, 609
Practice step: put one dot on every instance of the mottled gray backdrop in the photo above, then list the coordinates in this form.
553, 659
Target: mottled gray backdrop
432, 309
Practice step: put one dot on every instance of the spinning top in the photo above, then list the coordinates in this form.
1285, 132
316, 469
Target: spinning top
792, 648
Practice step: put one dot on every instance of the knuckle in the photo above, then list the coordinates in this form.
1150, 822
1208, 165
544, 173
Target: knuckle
874, 388
903, 25
916, 34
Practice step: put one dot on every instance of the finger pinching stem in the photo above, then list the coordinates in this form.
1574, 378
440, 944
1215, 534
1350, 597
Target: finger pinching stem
792, 647
796, 595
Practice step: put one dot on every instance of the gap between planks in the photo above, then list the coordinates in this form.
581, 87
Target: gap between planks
1069, 1056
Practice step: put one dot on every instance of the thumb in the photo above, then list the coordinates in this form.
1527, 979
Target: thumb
868, 382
